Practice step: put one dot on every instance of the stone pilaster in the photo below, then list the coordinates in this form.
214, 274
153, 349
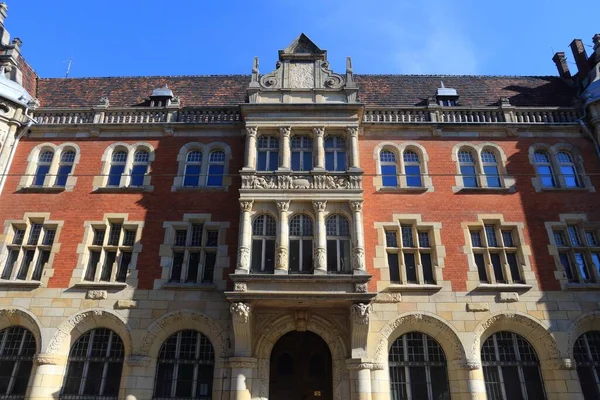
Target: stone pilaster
319, 134
48, 375
320, 256
245, 238
360, 376
284, 148
359, 316
281, 256
242, 377
354, 162
242, 329
476, 383
250, 161
358, 250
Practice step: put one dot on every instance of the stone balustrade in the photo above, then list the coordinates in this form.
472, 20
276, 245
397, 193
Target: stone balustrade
303, 181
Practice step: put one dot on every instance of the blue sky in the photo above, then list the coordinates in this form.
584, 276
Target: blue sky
197, 37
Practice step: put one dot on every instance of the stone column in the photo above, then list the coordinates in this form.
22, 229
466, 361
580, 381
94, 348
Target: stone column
47, 376
354, 162
358, 250
320, 256
283, 239
476, 383
360, 371
138, 373
250, 161
241, 364
560, 379
319, 134
245, 238
284, 148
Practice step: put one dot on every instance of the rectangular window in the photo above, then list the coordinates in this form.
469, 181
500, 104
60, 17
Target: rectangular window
137, 175
481, 269
497, 265
515, 273
545, 173
63, 174
98, 239
307, 256
427, 268
43, 258
294, 255
194, 253
559, 238
109, 260
566, 263
273, 161
25, 264
389, 176
209, 267
476, 239
19, 236
469, 176
492, 176
34, 234
591, 238
407, 238
413, 176
115, 234
40, 175
394, 267
411, 270
573, 236
413, 255
94, 259
114, 175
507, 238
570, 176
215, 175
176, 266
11, 260
341, 161
490, 234
123, 266
193, 266
192, 176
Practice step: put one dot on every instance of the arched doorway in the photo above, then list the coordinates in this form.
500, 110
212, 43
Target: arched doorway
300, 368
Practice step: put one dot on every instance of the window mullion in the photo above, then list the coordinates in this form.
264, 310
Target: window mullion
31, 267
17, 265
402, 267
489, 266
100, 265
184, 265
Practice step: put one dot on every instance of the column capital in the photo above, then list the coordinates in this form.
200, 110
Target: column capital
49, 359
246, 205
240, 312
319, 206
363, 363
356, 206
352, 131
283, 206
251, 131
469, 364
319, 131
285, 131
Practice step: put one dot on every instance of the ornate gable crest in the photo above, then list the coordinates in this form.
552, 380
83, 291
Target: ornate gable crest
302, 75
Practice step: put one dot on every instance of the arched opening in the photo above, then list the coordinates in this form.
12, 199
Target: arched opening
300, 368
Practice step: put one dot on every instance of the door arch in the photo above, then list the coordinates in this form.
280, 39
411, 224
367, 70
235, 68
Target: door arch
300, 368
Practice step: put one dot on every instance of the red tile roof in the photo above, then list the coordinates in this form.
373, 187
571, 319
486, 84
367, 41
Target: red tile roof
375, 90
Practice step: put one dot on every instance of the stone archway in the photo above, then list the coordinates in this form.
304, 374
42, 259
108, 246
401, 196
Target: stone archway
584, 323
282, 324
16, 316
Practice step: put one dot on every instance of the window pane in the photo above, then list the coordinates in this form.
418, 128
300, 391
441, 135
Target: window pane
398, 383
261, 163
570, 175
394, 270
137, 175
185, 379
215, 175
332, 256
22, 378
192, 272
41, 262
490, 234
391, 239
596, 261
545, 173
559, 238
164, 380
330, 161
73, 378
345, 266
427, 268
590, 236
270, 256
407, 238
512, 387
94, 378
307, 256
296, 161
25, 264
507, 238
209, 267
566, 263
176, 268
480, 261
341, 161
476, 239
273, 160
92, 265
413, 176
418, 382
109, 260
40, 175
439, 380
113, 379
63, 174
492, 176
123, 266
294, 255
498, 272
589, 387
411, 270
469, 177
514, 267
574, 236
307, 161
256, 259
192, 176
196, 239
582, 266
533, 383
114, 175
389, 177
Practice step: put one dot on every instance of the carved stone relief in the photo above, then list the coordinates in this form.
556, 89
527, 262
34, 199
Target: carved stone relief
301, 182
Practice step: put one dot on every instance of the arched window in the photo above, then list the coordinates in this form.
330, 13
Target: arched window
335, 153
216, 168
568, 169
467, 169
490, 168
43, 167
185, 368
544, 168
17, 347
511, 368
301, 244
193, 166
267, 153
412, 169
418, 368
94, 366
302, 156
67, 158
338, 244
389, 168
587, 357
117, 167
141, 158
264, 231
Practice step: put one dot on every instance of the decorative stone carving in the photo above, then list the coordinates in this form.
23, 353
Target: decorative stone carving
320, 259
283, 206
360, 313
319, 206
301, 76
246, 205
361, 288
96, 294
478, 307
104, 101
388, 298
319, 131
352, 131
126, 304
306, 182
561, 364
138, 360
240, 312
469, 365
356, 206
301, 319
581, 324
241, 362
285, 131
240, 287
507, 297
357, 364
252, 131
358, 258
243, 258
47, 359
281, 258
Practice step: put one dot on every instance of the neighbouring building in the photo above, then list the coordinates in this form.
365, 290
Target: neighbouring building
300, 234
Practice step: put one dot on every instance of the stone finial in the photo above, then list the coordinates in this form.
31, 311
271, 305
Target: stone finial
3, 12
17, 42
255, 74
104, 102
505, 102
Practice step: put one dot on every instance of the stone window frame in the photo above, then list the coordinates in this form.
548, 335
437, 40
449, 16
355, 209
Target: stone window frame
565, 220
507, 183
166, 252
438, 251
335, 151
263, 237
26, 181
100, 182
523, 250
206, 149
398, 149
7, 237
78, 276
303, 150
552, 151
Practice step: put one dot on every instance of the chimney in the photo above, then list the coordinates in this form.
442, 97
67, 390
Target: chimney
596, 40
4, 35
561, 65
580, 58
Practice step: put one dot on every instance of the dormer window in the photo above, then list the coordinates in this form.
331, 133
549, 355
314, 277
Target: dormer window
161, 97
446, 97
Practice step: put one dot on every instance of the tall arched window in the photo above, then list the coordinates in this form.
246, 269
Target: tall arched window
418, 368
389, 168
490, 168
302, 156
67, 158
117, 167
544, 168
338, 244
185, 367
17, 347
141, 158
94, 366
267, 153
264, 231
587, 357
335, 153
568, 169
43, 167
467, 168
301, 244
412, 169
216, 168
193, 166
511, 368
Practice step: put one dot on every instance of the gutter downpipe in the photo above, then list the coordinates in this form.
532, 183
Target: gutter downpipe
20, 133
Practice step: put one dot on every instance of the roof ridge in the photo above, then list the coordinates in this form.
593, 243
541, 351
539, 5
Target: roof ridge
458, 76
149, 76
